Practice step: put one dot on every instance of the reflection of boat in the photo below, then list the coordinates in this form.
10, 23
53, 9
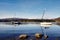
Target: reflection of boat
16, 23
45, 25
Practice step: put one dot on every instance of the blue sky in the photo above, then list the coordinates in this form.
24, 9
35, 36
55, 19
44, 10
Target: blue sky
29, 8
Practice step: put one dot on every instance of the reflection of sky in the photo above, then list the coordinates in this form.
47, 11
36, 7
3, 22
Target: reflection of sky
30, 28
29, 8
18, 27
53, 30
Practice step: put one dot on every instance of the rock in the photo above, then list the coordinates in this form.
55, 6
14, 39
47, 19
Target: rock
23, 36
38, 36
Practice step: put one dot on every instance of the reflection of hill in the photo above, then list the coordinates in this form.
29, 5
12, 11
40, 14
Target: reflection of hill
57, 19
58, 23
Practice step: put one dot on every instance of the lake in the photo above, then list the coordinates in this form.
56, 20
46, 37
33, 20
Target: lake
12, 32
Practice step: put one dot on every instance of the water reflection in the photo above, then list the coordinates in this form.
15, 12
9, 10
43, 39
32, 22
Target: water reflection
15, 30
58, 24
8, 23
57, 38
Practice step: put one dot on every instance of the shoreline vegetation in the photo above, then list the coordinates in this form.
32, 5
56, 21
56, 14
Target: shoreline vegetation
26, 20
29, 20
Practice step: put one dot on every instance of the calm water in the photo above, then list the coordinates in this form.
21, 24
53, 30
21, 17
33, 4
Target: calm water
12, 32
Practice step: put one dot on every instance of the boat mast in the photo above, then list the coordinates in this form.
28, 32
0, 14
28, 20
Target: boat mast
43, 13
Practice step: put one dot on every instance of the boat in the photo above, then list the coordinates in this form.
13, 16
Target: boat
45, 23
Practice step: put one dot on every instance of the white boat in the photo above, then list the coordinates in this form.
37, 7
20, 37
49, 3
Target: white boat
45, 24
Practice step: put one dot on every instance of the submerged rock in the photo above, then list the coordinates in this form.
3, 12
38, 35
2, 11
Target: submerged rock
38, 36
23, 37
